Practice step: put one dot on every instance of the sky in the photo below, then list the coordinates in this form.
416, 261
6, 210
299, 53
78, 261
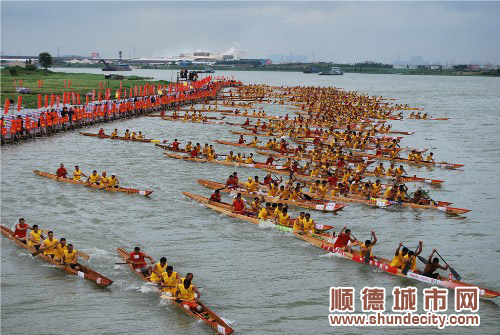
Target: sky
344, 32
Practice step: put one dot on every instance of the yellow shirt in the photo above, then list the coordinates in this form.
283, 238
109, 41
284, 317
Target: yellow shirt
35, 236
171, 281
59, 251
397, 261
249, 160
229, 158
308, 225
186, 294
94, 178
263, 214
77, 174
297, 225
67, 256
160, 269
283, 219
272, 190
47, 243
112, 181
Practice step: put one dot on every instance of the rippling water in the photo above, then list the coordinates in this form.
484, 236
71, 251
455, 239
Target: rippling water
259, 280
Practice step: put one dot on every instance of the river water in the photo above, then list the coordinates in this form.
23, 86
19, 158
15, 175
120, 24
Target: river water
259, 280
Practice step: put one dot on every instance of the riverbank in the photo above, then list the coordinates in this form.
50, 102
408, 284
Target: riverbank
59, 82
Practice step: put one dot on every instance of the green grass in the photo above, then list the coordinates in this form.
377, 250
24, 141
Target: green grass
81, 83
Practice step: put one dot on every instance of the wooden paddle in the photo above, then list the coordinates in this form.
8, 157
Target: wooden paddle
39, 251
455, 273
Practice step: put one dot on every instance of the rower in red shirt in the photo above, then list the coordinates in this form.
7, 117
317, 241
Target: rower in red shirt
270, 160
137, 258
241, 140
231, 182
268, 179
175, 145
21, 229
264, 126
216, 197
316, 141
62, 172
194, 153
247, 122
343, 239
101, 133
238, 205
283, 147
340, 163
332, 180
254, 130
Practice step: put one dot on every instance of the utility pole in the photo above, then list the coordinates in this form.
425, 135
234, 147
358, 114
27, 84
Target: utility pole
57, 51
134, 52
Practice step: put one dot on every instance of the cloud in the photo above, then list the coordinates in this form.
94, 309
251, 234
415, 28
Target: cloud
338, 31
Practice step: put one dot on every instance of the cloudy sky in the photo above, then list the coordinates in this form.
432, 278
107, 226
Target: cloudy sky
334, 31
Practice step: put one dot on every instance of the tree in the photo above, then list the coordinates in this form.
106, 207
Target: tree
45, 60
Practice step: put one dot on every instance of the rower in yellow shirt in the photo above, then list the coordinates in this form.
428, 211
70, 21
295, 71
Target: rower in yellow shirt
400, 171
249, 159
77, 173
127, 134
284, 192
322, 189
298, 224
283, 218
230, 157
273, 189
254, 142
94, 178
113, 181
133, 137
140, 136
264, 212
390, 171
376, 188
429, 157
379, 170
48, 245
308, 224
36, 236
114, 133
103, 181
169, 280
158, 270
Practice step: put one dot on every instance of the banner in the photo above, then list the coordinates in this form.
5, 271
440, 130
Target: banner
19, 103
7, 105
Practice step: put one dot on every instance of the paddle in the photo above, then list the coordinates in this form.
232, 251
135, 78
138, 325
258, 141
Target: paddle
455, 273
39, 251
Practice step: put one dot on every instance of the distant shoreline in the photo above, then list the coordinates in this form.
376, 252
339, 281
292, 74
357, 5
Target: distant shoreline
345, 69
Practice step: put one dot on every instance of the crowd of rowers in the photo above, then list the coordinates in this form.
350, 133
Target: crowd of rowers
94, 178
133, 136
300, 127
181, 289
57, 249
404, 258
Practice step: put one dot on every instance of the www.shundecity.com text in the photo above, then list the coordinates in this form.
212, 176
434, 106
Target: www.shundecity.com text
404, 307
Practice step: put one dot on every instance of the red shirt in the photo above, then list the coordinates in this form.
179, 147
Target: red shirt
268, 179
61, 172
194, 153
175, 145
241, 141
231, 181
138, 259
238, 205
215, 197
341, 241
21, 233
254, 130
269, 161
332, 180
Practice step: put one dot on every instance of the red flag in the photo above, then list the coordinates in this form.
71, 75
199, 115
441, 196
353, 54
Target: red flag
93, 95
21, 82
120, 85
78, 99
135, 90
7, 105
99, 96
86, 99
130, 94
51, 100
19, 103
46, 101
58, 98
39, 101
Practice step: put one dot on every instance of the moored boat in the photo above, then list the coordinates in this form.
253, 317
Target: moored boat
82, 183
89, 275
207, 316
